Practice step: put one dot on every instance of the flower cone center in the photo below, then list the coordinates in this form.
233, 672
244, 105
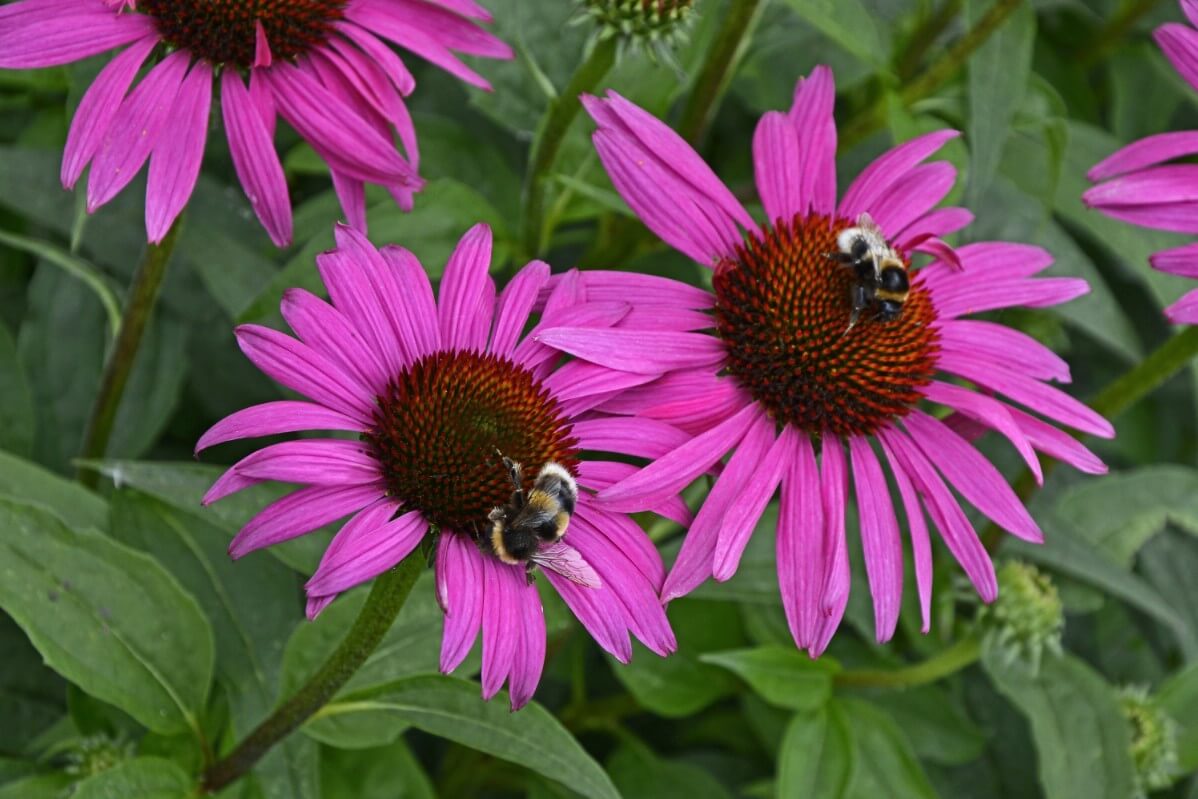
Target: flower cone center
224, 31
782, 309
437, 430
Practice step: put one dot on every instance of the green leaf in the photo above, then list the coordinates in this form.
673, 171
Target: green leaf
17, 418
637, 771
388, 772
885, 763
1082, 740
849, 24
998, 74
253, 604
817, 757
1118, 513
1064, 551
73, 503
681, 684
76, 267
451, 708
143, 777
182, 485
108, 618
935, 724
411, 646
31, 695
39, 786
780, 674
1178, 696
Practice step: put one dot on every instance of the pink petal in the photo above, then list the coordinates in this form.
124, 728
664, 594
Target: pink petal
1148, 151
801, 546
811, 115
598, 475
991, 413
365, 548
641, 351
776, 164
351, 193
302, 369
301, 512
1184, 311
601, 285
355, 275
921, 546
880, 538
967, 297
175, 160
940, 222
1005, 346
696, 559
972, 475
515, 304
1180, 45
877, 178
98, 107
955, 529
913, 195
326, 330
414, 311
1177, 261
529, 658
700, 411
502, 627
644, 438
464, 325
672, 472
625, 536
743, 513
837, 574
49, 34
1043, 399
254, 158
599, 611
135, 130
459, 566
272, 418
379, 54
316, 462
1057, 443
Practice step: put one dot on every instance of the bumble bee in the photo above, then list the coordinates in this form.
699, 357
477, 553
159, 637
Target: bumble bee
881, 275
529, 528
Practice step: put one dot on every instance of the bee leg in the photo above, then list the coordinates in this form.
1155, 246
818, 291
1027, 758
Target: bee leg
860, 298
842, 258
530, 572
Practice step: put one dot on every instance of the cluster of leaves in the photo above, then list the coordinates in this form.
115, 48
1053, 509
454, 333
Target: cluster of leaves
133, 650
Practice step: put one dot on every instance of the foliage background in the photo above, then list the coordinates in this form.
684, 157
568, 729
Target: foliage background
128, 635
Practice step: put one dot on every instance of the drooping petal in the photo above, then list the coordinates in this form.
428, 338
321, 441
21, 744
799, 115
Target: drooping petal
1180, 45
459, 571
254, 158
921, 546
801, 546
1177, 261
991, 413
837, 574
1149, 151
175, 159
529, 658
502, 628
599, 611
366, 547
598, 475
99, 106
880, 538
1004, 345
743, 513
1184, 311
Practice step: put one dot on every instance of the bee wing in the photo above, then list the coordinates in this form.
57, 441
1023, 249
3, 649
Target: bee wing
867, 223
567, 561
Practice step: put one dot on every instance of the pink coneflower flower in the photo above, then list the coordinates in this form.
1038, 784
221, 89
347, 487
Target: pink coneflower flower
785, 387
432, 391
322, 65
1137, 185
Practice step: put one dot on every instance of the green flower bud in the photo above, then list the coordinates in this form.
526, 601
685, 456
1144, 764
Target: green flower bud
1026, 619
657, 25
1153, 740
96, 754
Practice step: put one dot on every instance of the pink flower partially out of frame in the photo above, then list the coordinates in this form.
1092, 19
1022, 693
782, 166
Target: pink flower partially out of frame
433, 389
1137, 184
322, 65
784, 387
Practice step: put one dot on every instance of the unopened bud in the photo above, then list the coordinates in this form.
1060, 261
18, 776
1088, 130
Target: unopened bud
1153, 740
1026, 619
656, 25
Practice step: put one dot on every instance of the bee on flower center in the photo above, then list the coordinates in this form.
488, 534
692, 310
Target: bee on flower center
881, 281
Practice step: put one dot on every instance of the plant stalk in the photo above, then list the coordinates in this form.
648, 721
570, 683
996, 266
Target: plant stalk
387, 597
552, 134
727, 49
936, 75
965, 652
139, 307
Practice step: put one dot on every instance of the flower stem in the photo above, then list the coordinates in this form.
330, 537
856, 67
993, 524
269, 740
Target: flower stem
1113, 32
960, 655
722, 57
387, 597
936, 75
924, 36
139, 307
551, 135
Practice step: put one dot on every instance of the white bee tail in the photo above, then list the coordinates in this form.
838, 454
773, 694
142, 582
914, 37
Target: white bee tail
567, 561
